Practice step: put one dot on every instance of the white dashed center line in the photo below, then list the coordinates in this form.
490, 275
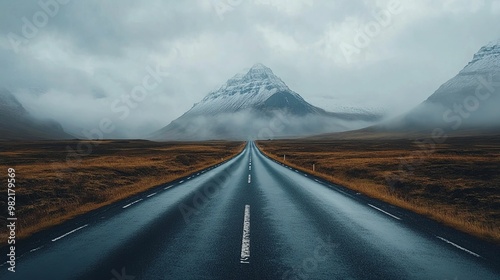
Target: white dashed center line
245, 241
36, 249
249, 178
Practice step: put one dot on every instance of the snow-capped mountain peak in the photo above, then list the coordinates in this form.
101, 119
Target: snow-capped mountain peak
468, 100
258, 72
242, 91
486, 61
261, 72
257, 105
487, 58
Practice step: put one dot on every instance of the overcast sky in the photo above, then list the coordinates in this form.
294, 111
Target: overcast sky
73, 61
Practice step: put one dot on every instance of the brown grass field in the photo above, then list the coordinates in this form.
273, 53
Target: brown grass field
56, 181
456, 183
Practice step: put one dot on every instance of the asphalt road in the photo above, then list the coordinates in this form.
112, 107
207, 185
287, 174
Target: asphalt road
252, 218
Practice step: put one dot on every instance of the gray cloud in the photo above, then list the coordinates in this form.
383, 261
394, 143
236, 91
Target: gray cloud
89, 54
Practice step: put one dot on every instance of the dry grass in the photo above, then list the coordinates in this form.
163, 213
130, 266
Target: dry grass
54, 185
456, 183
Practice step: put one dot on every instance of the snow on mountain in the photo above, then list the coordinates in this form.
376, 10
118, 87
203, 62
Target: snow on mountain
367, 110
470, 99
242, 91
485, 62
257, 105
486, 59
348, 107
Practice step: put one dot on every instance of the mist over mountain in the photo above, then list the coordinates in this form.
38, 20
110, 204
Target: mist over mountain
258, 105
470, 100
18, 124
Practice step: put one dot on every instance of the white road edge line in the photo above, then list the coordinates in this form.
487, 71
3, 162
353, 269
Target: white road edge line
341, 191
387, 213
459, 247
132, 203
168, 187
36, 249
181, 182
151, 195
68, 233
245, 241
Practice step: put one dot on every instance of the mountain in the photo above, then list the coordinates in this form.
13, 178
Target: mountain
257, 105
470, 100
17, 124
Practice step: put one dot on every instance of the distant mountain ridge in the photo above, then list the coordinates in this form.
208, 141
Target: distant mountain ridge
256, 105
470, 100
17, 124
